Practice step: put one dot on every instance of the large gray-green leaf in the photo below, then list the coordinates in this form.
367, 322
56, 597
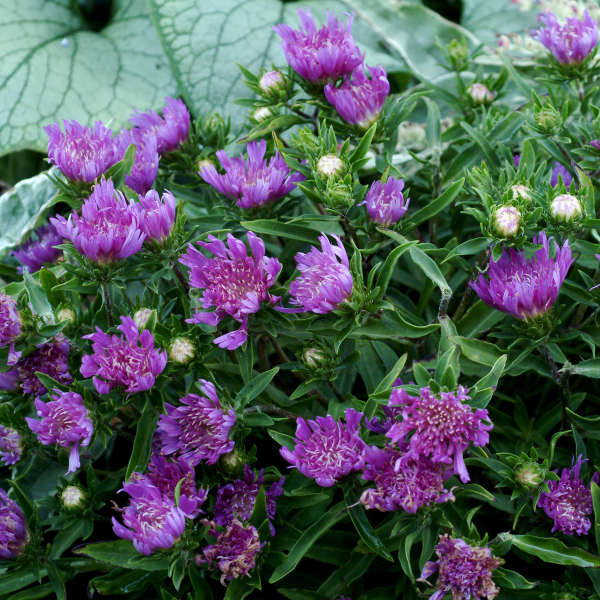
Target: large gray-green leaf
412, 30
22, 208
51, 68
205, 38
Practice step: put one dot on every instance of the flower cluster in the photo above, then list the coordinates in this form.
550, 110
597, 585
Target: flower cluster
199, 429
234, 283
10, 326
13, 529
569, 501
254, 182
38, 251
131, 361
11, 446
51, 358
525, 288
385, 203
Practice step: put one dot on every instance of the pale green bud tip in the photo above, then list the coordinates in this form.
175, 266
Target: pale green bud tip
313, 357
480, 94
66, 314
271, 80
330, 164
262, 113
565, 207
141, 317
72, 496
507, 220
530, 475
520, 191
181, 350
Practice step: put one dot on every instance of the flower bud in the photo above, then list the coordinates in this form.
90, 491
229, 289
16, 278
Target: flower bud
72, 497
480, 94
204, 163
261, 113
232, 462
66, 314
547, 118
530, 474
411, 135
520, 192
313, 357
141, 317
565, 208
507, 220
272, 81
458, 53
181, 350
329, 165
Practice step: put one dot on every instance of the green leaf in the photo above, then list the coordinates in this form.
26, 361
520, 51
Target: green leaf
121, 553
511, 580
17, 579
385, 274
37, 298
34, 593
552, 550
392, 325
142, 444
365, 530
437, 205
429, 268
23, 207
483, 353
596, 503
587, 368
282, 439
254, 388
307, 539
56, 581
483, 390
238, 589
291, 231
52, 66
393, 374
66, 537
591, 425
259, 514
357, 157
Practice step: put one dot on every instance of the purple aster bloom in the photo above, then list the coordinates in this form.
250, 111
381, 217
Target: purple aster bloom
327, 450
108, 228
402, 484
10, 326
359, 100
571, 43
525, 287
38, 251
145, 166
9, 380
463, 571
320, 55
569, 501
254, 182
169, 130
563, 172
517, 159
385, 203
64, 422
199, 429
325, 280
151, 520
440, 427
234, 552
595, 144
165, 475
11, 446
234, 283
156, 216
131, 361
51, 358
236, 499
82, 153
13, 528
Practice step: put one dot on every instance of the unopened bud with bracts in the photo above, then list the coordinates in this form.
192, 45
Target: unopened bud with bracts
480, 94
521, 192
272, 82
72, 497
141, 317
181, 350
565, 208
329, 165
507, 220
530, 474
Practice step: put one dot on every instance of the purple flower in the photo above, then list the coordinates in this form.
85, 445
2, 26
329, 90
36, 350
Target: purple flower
517, 159
254, 182
464, 571
10, 326
385, 202
156, 216
36, 252
595, 144
563, 172
108, 228
82, 153
325, 280
359, 100
11, 446
327, 450
402, 484
320, 55
13, 528
165, 475
131, 361
145, 166
234, 283
439, 427
169, 130
151, 520
236, 499
234, 552
51, 358
525, 287
571, 43
569, 501
9, 380
199, 429
64, 422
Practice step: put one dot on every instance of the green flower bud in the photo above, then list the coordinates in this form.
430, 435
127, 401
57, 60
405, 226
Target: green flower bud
181, 350
507, 220
530, 474
565, 208
72, 497
330, 164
